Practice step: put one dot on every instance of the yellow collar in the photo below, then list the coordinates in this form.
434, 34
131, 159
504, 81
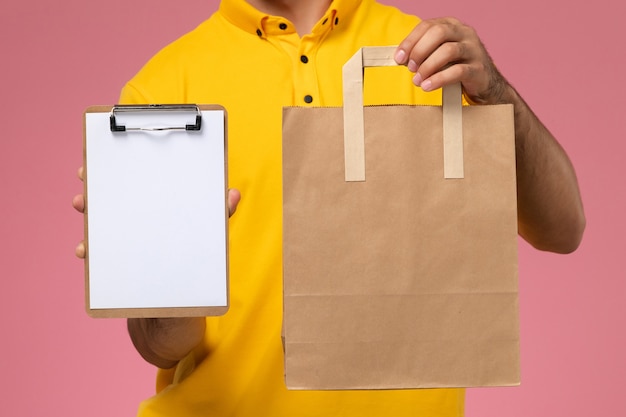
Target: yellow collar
241, 14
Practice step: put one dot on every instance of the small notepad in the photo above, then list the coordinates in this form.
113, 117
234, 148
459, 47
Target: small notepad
156, 213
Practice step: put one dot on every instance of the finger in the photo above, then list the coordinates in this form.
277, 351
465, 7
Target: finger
80, 250
448, 54
406, 46
234, 196
81, 173
427, 37
447, 76
78, 202
436, 38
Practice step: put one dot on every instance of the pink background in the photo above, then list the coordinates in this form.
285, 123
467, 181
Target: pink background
59, 57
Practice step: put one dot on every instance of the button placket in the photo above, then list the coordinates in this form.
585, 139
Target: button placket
306, 89
306, 74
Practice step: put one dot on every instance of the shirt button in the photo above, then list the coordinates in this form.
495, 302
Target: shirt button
308, 99
258, 32
283, 26
304, 59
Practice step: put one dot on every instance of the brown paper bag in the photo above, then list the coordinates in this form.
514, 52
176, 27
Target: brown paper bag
400, 247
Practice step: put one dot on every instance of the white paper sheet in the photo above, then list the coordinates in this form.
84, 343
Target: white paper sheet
156, 212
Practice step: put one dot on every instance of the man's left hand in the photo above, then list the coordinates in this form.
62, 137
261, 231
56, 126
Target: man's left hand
444, 51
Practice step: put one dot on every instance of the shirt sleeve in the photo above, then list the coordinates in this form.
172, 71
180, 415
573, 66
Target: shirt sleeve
131, 95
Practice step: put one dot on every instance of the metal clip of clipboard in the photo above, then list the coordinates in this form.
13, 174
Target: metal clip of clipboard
127, 108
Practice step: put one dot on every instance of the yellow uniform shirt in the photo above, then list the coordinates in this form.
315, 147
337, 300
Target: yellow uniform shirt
254, 64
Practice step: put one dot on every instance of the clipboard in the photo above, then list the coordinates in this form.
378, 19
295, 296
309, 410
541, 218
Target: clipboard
156, 213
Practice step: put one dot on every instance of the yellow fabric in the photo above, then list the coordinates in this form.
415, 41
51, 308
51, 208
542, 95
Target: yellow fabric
238, 371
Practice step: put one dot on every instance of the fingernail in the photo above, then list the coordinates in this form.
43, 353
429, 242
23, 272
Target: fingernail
412, 66
400, 55
426, 85
417, 79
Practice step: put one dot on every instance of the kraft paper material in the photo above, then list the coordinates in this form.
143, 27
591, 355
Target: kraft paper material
406, 279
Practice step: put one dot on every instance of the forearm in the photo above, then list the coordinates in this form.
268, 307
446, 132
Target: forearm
550, 211
164, 342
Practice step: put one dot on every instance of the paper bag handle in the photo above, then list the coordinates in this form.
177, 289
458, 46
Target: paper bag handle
354, 134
